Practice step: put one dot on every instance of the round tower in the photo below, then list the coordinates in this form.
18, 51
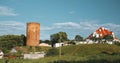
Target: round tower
33, 34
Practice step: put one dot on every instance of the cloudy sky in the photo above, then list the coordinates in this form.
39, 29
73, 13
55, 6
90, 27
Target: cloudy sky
76, 17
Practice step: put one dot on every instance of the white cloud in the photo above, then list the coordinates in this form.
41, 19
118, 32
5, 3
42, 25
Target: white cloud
44, 28
6, 11
10, 23
12, 27
84, 28
72, 28
71, 24
72, 12
64, 25
113, 27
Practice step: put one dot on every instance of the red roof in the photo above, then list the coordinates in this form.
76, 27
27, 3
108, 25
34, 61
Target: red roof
101, 32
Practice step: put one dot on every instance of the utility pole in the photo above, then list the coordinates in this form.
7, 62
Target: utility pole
60, 45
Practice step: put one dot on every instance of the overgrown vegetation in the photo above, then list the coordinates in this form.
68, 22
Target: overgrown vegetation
52, 52
7, 42
84, 53
58, 37
89, 53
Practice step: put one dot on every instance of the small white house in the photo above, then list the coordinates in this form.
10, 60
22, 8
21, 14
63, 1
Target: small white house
80, 42
58, 44
44, 44
1, 54
109, 42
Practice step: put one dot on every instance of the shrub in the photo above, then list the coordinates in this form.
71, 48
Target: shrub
72, 42
52, 52
117, 43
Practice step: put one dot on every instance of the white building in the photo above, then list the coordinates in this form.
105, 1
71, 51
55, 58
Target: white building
109, 42
36, 55
81, 42
44, 44
1, 54
58, 44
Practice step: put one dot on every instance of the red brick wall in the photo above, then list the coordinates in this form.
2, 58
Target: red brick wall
33, 34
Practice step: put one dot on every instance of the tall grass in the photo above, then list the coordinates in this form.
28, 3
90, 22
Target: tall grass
89, 53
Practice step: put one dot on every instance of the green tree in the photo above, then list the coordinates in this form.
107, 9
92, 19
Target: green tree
62, 36
108, 38
47, 41
9, 41
54, 39
52, 52
41, 41
23, 40
58, 37
93, 39
96, 39
78, 38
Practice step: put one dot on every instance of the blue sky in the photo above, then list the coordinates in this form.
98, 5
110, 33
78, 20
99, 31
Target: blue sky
76, 17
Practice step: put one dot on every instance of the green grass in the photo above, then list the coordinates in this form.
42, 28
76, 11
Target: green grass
90, 53
90, 49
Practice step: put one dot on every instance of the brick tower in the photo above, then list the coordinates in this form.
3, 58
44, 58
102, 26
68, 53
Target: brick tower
33, 34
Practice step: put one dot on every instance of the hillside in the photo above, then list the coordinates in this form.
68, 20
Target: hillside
89, 53
90, 49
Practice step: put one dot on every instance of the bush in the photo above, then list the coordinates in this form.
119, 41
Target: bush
71, 42
52, 52
117, 43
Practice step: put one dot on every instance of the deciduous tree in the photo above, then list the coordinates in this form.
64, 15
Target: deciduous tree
78, 38
58, 37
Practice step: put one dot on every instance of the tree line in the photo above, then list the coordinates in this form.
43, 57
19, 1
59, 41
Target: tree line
61, 37
9, 41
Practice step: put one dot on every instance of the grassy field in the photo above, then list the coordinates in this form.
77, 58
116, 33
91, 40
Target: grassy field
90, 53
